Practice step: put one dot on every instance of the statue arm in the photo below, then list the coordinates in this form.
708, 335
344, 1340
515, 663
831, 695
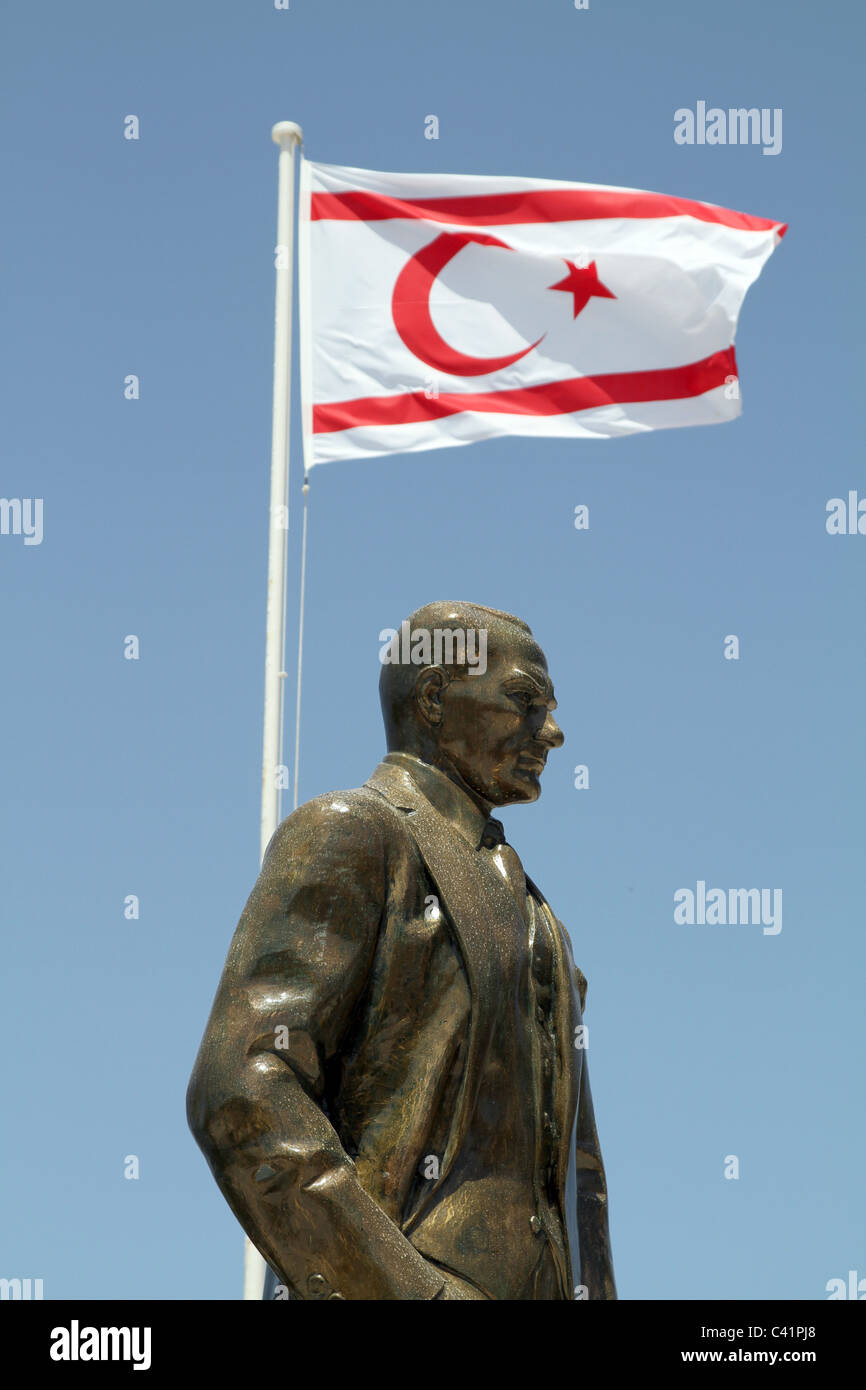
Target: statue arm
296, 970
596, 1261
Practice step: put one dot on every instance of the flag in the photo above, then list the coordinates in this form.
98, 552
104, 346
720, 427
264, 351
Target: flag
441, 309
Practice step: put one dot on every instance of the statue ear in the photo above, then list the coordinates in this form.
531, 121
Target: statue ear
429, 688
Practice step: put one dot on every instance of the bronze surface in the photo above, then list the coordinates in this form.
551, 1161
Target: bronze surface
388, 1090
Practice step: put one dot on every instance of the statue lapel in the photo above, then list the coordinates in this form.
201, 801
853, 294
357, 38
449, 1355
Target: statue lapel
482, 912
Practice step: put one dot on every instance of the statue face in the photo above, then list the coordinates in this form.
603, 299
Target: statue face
497, 729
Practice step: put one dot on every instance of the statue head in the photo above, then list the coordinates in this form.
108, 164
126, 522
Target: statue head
466, 688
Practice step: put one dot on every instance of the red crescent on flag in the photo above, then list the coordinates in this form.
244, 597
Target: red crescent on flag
410, 306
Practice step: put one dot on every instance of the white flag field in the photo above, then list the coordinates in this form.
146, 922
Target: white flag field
443, 309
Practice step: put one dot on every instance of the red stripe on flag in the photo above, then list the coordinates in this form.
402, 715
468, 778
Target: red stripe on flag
540, 205
550, 398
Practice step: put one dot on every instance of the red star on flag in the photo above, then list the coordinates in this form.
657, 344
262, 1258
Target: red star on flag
583, 283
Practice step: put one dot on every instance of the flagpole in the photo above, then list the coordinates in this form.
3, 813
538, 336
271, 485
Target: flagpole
288, 136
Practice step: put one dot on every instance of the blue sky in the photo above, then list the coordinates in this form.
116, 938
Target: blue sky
155, 257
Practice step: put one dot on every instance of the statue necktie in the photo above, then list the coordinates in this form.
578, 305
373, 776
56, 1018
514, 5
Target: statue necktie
506, 862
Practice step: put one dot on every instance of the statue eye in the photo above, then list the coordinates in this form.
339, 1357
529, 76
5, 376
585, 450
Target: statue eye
522, 697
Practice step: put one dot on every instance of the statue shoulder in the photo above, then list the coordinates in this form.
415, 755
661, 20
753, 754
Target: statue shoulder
355, 825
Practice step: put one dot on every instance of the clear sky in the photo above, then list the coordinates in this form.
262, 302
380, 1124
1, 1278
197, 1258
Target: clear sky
155, 257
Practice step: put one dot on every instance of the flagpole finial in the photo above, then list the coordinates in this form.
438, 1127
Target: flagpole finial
286, 133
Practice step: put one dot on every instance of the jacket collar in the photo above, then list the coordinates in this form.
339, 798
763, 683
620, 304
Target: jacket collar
450, 801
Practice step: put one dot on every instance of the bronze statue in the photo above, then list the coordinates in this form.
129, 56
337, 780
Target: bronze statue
392, 1089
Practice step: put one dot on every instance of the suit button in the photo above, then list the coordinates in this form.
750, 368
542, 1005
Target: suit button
318, 1286
535, 1225
336, 1295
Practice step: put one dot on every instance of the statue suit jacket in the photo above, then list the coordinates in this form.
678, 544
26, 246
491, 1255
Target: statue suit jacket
333, 1091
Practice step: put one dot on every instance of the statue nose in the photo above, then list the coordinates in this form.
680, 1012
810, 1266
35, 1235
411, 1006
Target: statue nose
551, 733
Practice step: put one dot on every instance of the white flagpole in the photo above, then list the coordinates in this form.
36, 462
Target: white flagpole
288, 136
